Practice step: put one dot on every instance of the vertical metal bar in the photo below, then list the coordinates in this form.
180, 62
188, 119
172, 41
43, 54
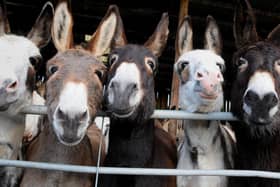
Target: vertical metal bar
99, 154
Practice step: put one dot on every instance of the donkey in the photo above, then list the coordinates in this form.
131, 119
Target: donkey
130, 99
73, 96
206, 144
255, 100
19, 56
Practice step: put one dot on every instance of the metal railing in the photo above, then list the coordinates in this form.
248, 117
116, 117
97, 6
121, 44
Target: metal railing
158, 114
138, 171
162, 114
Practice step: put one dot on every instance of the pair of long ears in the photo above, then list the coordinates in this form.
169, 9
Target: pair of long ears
212, 41
156, 41
40, 33
244, 27
101, 40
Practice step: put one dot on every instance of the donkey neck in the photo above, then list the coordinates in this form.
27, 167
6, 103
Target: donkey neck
131, 144
202, 134
11, 133
257, 152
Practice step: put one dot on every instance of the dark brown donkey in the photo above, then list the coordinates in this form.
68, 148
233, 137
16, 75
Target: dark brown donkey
73, 97
255, 100
134, 139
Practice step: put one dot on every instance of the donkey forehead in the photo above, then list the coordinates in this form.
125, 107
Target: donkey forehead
127, 72
133, 53
76, 62
17, 47
201, 57
262, 54
204, 59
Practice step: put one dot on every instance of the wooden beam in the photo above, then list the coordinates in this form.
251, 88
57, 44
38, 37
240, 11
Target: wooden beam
172, 127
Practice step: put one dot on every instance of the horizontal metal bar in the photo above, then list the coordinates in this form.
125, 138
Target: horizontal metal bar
138, 171
158, 114
172, 114
34, 109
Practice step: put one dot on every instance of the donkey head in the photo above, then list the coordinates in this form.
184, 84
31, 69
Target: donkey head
255, 92
130, 85
75, 76
200, 71
18, 58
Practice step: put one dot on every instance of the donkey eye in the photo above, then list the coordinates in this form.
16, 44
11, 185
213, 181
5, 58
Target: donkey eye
182, 65
113, 59
99, 74
35, 60
242, 63
221, 67
52, 69
151, 63
277, 66
277, 62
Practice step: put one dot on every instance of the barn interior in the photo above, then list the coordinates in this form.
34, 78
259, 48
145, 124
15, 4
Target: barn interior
140, 18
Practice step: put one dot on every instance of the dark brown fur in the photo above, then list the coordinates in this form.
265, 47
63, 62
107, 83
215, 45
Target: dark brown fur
135, 141
258, 145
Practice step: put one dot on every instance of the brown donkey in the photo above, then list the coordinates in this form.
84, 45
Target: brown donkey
73, 97
134, 141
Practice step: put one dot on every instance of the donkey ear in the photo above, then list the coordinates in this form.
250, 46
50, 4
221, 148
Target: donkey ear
213, 39
157, 41
40, 33
101, 40
62, 27
274, 35
120, 37
4, 23
184, 40
249, 32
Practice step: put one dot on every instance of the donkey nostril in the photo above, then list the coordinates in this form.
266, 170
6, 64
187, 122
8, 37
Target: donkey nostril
270, 99
199, 75
12, 86
134, 86
83, 116
112, 85
60, 114
251, 97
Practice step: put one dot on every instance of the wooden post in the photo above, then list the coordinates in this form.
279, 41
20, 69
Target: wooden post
172, 127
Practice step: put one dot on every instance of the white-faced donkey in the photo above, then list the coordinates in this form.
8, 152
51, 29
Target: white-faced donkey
206, 144
19, 56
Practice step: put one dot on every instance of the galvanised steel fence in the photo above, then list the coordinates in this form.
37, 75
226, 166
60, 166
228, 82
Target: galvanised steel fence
158, 114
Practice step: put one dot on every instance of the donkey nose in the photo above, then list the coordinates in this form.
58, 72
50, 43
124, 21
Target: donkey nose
270, 99
10, 85
129, 87
213, 76
209, 81
200, 75
250, 97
